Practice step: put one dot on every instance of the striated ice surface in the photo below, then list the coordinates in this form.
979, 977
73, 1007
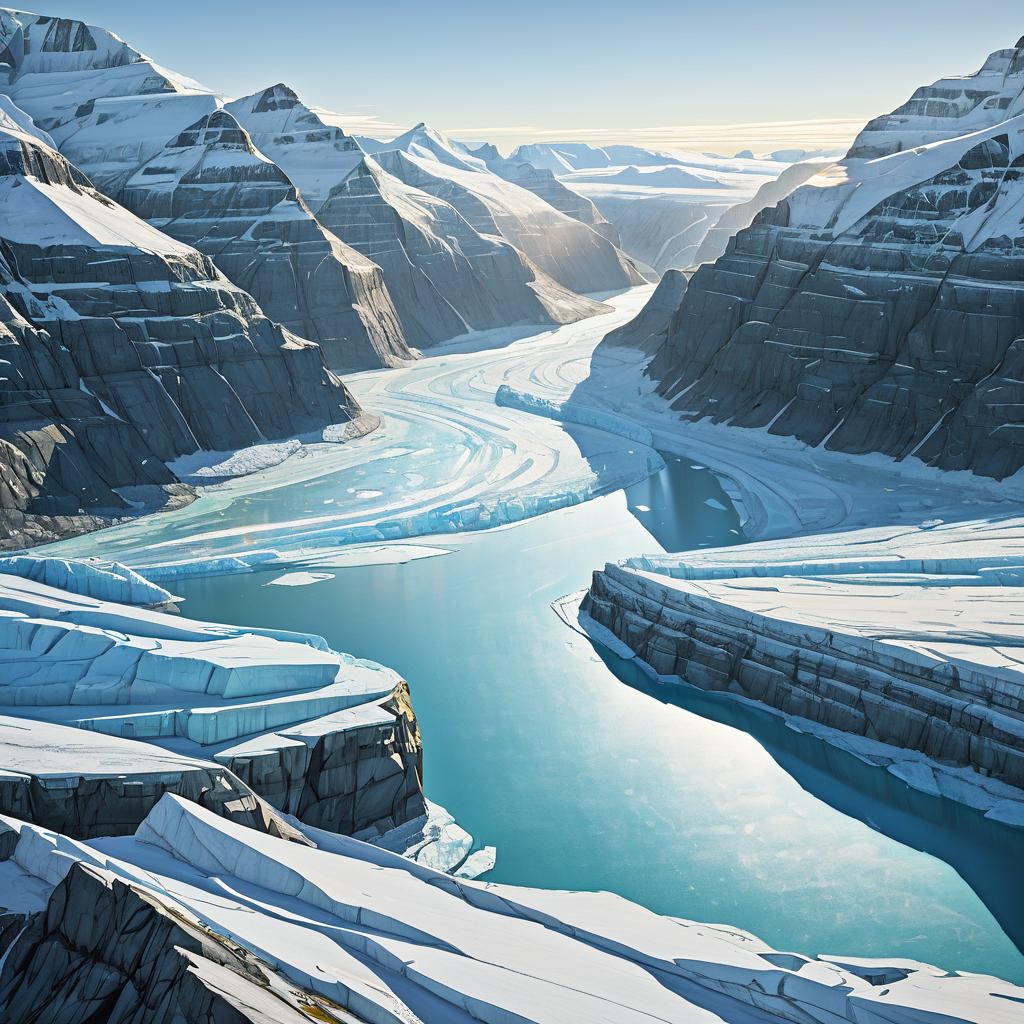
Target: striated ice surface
391, 940
106, 581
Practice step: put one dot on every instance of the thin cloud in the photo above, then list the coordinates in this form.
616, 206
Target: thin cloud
825, 133
760, 136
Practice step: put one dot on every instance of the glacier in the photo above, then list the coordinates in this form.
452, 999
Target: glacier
353, 932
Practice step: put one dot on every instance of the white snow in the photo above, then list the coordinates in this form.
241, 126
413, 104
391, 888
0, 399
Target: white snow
393, 940
300, 579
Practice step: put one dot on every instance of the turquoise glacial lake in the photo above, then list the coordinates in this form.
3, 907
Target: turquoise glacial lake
586, 776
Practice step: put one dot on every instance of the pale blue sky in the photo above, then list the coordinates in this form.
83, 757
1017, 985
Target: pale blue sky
701, 75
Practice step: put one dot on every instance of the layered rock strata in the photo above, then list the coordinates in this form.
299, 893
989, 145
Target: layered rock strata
445, 277
876, 309
649, 328
129, 350
543, 183
232, 713
210, 188
911, 638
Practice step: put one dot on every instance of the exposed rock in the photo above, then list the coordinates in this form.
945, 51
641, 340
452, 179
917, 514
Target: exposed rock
571, 252
649, 328
108, 107
326, 738
902, 636
445, 277
210, 188
84, 785
357, 771
129, 350
196, 918
877, 309
104, 949
159, 144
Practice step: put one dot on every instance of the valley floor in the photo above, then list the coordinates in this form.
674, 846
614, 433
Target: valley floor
577, 421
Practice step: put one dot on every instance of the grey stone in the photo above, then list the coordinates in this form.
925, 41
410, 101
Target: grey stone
210, 188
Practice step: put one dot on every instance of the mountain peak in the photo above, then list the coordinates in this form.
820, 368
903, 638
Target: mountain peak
277, 97
218, 128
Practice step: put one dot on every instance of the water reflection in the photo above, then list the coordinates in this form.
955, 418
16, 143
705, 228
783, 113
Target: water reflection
987, 854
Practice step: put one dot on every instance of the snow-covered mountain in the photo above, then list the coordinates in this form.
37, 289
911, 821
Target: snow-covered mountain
211, 188
562, 157
124, 119
445, 277
545, 184
878, 307
950, 107
127, 349
660, 205
564, 247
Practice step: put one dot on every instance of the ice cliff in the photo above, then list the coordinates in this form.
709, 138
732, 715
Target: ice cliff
198, 917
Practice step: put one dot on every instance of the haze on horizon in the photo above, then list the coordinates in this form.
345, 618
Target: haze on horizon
686, 75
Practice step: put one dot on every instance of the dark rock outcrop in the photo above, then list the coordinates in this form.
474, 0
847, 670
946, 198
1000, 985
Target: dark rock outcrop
879, 308
128, 351
210, 188
358, 778
649, 328
564, 247
104, 950
681, 632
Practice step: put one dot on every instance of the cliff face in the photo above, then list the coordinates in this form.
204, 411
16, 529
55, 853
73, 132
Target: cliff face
159, 144
152, 328
103, 949
197, 919
128, 350
210, 188
445, 274
878, 308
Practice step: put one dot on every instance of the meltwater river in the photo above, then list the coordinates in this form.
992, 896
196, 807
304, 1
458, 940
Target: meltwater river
583, 775
538, 747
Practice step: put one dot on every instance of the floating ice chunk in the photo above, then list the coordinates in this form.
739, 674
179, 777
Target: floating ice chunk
300, 579
715, 504
567, 412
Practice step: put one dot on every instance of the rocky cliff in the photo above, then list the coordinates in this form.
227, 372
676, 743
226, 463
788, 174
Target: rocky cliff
195, 918
879, 307
649, 328
210, 188
131, 350
159, 144
445, 276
